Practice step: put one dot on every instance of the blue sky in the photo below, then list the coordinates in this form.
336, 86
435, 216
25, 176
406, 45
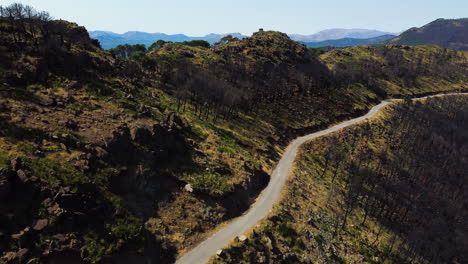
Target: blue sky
200, 17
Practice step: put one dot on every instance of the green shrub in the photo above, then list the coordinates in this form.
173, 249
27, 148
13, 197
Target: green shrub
55, 172
98, 88
209, 181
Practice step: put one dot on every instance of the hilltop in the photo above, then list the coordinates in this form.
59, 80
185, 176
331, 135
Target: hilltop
138, 155
447, 33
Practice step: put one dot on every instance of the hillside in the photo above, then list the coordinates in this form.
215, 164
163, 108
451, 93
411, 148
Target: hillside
390, 190
106, 158
393, 70
447, 33
348, 42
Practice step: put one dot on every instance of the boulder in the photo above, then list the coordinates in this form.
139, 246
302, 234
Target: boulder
22, 235
9, 257
242, 238
40, 224
141, 134
22, 176
16, 164
71, 124
188, 188
46, 100
100, 152
174, 121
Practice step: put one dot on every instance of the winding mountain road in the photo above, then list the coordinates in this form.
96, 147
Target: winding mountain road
204, 251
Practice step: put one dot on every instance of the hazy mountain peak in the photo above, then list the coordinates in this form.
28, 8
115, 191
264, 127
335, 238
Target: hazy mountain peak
339, 33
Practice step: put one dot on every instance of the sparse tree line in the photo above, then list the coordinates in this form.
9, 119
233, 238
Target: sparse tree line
413, 180
403, 65
27, 23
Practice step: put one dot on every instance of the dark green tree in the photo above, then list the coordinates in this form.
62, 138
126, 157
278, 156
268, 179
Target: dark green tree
158, 44
126, 51
197, 43
226, 39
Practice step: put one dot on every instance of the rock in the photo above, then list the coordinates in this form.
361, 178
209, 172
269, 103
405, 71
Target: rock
174, 121
9, 256
74, 85
69, 140
22, 253
16, 164
242, 238
260, 257
60, 238
33, 261
22, 176
141, 134
55, 209
219, 252
21, 234
100, 152
39, 225
67, 98
144, 110
188, 188
63, 147
45, 100
71, 124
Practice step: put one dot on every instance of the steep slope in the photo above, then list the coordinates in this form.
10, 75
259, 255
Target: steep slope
104, 158
447, 33
398, 69
390, 190
348, 42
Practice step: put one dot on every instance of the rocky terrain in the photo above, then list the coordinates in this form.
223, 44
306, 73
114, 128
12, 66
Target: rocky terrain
106, 159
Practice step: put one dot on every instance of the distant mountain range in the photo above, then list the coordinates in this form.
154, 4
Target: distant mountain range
347, 42
447, 33
110, 39
340, 33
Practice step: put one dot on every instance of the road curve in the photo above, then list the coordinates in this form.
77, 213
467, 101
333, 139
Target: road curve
204, 251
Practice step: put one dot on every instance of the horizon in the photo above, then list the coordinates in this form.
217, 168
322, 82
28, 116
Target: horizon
215, 17
223, 33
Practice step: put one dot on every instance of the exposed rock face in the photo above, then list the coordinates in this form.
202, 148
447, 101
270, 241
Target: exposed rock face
143, 183
188, 188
